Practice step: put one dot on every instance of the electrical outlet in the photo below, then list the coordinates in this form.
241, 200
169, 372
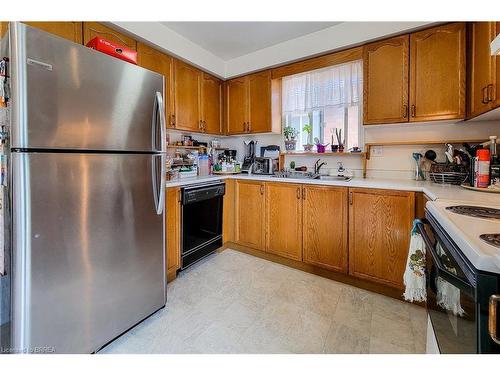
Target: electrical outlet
377, 151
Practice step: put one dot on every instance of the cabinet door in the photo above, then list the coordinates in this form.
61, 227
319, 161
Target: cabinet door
249, 212
481, 70
172, 227
260, 102
236, 105
437, 73
211, 104
284, 220
325, 227
496, 88
4, 26
72, 31
158, 62
385, 83
379, 232
93, 29
187, 97
228, 212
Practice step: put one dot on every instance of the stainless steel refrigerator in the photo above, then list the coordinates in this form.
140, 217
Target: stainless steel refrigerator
85, 195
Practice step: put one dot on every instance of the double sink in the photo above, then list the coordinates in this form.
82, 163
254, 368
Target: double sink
311, 176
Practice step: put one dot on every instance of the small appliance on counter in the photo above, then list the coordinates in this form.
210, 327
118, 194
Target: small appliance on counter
249, 158
265, 166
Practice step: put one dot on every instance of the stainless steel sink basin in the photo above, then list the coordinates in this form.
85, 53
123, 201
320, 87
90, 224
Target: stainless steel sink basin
334, 178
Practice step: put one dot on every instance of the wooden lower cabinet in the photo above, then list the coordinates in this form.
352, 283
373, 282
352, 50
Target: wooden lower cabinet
379, 226
173, 231
228, 212
249, 214
284, 219
325, 227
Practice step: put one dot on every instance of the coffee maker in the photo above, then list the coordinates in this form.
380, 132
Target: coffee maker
249, 158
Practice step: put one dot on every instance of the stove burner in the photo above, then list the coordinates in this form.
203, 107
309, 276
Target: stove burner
492, 239
476, 211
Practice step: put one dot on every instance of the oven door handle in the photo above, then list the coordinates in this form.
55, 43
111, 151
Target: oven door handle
440, 270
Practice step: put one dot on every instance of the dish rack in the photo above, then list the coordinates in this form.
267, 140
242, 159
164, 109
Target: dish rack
443, 173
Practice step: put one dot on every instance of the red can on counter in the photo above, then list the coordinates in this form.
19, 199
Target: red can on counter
113, 49
482, 168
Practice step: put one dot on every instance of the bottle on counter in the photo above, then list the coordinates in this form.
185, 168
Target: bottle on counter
482, 168
495, 162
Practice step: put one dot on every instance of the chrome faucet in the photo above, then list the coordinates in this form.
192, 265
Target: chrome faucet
317, 166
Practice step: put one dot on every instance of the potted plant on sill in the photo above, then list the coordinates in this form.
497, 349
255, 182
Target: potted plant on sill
308, 130
290, 141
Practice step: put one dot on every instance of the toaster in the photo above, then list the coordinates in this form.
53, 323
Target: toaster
265, 166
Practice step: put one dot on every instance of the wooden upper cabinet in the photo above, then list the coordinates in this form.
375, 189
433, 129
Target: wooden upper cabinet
149, 58
93, 29
496, 90
325, 227
72, 31
385, 83
236, 105
4, 26
187, 97
437, 73
211, 105
481, 72
259, 87
249, 214
380, 222
284, 219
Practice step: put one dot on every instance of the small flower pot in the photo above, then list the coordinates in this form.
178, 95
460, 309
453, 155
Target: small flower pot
290, 145
308, 147
335, 148
320, 148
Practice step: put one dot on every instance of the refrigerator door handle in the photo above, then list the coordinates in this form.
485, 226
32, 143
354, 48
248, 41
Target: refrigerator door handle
159, 114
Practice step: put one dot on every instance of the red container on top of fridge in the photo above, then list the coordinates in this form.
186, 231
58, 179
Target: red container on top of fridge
113, 49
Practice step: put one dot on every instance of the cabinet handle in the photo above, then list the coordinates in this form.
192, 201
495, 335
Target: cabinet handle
492, 318
304, 193
405, 110
244, 127
350, 198
261, 189
249, 127
298, 193
485, 95
172, 122
490, 92
413, 110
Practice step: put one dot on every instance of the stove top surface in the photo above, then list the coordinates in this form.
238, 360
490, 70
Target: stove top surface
492, 239
476, 211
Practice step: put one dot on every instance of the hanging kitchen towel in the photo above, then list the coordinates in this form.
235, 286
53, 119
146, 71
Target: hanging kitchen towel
448, 295
414, 276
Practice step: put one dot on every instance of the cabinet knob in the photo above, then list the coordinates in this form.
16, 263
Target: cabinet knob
350, 198
261, 189
413, 110
172, 121
485, 95
405, 110
298, 193
490, 92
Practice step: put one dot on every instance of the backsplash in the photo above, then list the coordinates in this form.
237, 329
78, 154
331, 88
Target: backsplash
393, 162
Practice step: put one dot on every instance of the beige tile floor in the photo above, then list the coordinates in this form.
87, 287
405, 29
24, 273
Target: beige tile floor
232, 302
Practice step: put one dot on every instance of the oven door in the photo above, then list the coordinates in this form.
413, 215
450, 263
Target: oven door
451, 302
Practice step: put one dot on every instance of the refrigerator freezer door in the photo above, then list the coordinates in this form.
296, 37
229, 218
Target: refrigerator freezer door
88, 248
68, 96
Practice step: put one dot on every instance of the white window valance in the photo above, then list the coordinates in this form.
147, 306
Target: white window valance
336, 86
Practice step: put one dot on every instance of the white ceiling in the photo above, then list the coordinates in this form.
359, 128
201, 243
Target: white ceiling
228, 40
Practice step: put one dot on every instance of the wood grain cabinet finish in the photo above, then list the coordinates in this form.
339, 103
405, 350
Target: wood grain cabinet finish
236, 111
211, 104
259, 93
4, 26
158, 62
249, 214
483, 69
93, 29
173, 231
72, 31
248, 104
385, 82
283, 217
325, 227
437, 73
379, 225
187, 97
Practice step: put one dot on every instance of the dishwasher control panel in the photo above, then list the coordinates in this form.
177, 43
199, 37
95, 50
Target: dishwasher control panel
194, 194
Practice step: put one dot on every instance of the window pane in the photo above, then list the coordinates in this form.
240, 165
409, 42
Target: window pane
334, 118
353, 127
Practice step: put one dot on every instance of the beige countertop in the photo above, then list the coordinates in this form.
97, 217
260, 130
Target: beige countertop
432, 190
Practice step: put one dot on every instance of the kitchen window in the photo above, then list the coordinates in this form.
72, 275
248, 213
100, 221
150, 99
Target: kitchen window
326, 99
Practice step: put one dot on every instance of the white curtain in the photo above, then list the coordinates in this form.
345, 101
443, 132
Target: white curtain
335, 86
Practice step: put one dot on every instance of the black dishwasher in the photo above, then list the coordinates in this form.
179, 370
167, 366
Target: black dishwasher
201, 221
